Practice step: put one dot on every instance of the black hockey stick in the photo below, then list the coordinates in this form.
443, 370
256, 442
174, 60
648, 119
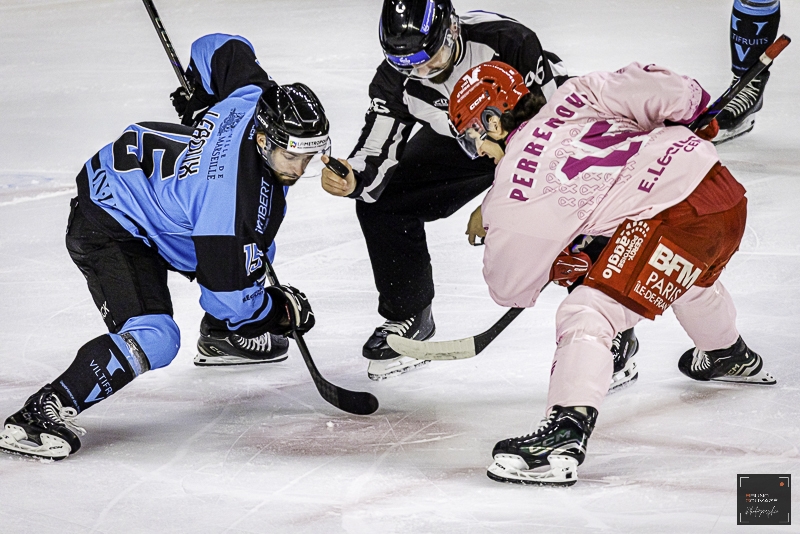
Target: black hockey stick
162, 35
757, 68
471, 346
355, 402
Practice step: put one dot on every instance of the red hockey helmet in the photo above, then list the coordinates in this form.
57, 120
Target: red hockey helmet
487, 90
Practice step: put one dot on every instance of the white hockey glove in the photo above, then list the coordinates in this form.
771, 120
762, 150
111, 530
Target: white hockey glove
294, 311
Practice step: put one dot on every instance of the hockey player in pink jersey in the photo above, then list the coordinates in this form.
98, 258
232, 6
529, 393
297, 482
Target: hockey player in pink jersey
607, 155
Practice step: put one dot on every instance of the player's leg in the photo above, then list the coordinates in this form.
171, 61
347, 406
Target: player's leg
432, 181
754, 26
708, 316
625, 345
128, 282
586, 322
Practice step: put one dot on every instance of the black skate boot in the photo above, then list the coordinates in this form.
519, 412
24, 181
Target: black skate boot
43, 428
624, 348
739, 116
218, 347
385, 361
558, 444
737, 363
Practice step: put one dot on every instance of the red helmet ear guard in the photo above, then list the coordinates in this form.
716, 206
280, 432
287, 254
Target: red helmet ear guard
493, 84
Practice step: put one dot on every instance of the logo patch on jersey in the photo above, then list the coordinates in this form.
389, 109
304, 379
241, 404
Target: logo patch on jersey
231, 121
441, 103
252, 258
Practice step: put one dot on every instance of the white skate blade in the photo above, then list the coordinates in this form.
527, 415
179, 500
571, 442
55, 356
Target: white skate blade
458, 349
625, 377
14, 439
383, 369
203, 360
733, 133
762, 378
563, 471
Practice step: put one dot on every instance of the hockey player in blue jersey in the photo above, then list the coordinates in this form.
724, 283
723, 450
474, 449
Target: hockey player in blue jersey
204, 201
236, 65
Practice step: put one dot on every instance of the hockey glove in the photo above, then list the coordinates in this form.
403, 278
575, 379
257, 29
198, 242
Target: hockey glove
569, 266
180, 100
708, 132
295, 314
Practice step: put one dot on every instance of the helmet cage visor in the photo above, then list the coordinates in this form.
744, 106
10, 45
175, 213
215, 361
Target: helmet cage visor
284, 165
475, 131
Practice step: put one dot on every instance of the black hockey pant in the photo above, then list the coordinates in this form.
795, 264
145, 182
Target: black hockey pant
433, 179
127, 280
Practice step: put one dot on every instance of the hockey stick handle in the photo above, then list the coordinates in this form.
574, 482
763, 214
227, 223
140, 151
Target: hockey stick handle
758, 67
167, 44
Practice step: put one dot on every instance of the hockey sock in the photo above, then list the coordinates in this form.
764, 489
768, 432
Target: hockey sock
754, 25
100, 369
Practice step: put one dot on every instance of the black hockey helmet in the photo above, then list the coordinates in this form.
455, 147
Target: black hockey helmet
292, 117
413, 31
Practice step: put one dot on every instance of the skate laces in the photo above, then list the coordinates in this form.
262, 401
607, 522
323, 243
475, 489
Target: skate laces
746, 99
262, 343
700, 360
544, 423
397, 327
65, 415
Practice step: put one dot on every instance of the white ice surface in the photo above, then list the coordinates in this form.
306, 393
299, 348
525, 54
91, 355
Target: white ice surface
252, 450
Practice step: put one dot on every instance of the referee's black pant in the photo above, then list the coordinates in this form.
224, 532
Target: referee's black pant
433, 179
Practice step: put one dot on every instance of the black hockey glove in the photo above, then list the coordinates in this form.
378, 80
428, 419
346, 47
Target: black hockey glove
191, 109
294, 311
180, 100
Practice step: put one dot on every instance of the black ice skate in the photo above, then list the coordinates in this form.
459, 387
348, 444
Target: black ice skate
43, 428
737, 363
551, 455
739, 116
226, 348
624, 348
385, 361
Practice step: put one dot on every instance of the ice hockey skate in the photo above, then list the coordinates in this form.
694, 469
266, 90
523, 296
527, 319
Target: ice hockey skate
739, 116
43, 428
624, 348
551, 455
737, 363
216, 348
385, 362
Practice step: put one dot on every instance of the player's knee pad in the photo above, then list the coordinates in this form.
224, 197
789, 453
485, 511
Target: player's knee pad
588, 314
157, 337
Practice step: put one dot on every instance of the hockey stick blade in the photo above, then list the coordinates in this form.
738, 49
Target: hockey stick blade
354, 402
459, 349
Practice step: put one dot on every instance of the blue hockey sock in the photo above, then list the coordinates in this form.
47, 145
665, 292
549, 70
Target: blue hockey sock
754, 26
99, 370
